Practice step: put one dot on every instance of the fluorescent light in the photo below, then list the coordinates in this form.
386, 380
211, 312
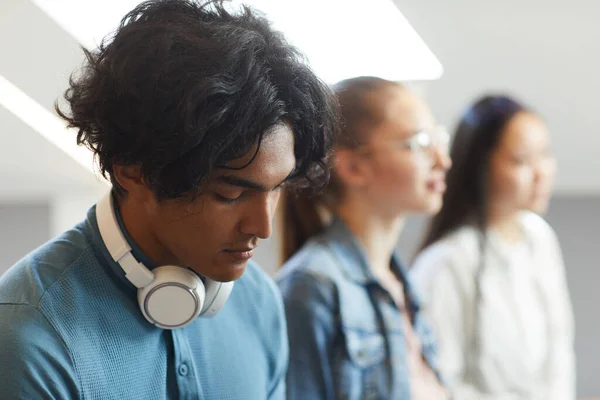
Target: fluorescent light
44, 122
347, 38
341, 38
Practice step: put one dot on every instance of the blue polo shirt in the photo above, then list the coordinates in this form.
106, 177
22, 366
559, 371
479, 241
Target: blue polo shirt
71, 328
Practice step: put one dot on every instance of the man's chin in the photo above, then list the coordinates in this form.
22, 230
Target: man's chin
225, 273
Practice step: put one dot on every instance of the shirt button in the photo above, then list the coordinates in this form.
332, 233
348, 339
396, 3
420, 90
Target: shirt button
183, 370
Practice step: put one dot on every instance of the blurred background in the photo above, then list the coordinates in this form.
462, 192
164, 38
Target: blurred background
544, 53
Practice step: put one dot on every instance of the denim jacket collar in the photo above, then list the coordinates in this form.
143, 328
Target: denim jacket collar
353, 261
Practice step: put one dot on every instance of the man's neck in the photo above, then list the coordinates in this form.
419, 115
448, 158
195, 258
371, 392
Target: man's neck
138, 228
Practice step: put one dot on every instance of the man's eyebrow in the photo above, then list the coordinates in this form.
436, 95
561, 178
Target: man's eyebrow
248, 184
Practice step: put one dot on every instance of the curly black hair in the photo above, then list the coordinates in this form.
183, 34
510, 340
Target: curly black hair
185, 86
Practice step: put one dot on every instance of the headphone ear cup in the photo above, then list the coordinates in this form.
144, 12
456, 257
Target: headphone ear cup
173, 299
217, 294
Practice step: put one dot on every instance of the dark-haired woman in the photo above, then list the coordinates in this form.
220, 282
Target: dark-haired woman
491, 269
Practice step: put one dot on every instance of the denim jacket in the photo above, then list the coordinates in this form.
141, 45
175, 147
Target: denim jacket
345, 330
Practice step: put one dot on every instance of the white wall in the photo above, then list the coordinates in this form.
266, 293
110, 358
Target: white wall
546, 53
23, 227
68, 209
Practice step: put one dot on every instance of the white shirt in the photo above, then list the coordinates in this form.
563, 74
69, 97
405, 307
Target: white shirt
516, 343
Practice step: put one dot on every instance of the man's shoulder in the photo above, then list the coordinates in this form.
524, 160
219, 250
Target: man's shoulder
36, 361
30, 278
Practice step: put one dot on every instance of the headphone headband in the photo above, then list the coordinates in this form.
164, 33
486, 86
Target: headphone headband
117, 245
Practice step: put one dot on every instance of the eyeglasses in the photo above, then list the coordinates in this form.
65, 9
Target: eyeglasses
422, 141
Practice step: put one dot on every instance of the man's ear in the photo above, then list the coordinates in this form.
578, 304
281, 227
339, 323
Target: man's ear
130, 177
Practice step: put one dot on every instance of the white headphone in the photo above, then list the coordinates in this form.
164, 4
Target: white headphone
169, 296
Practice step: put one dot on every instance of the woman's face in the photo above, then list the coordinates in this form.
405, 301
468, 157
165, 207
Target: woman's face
406, 158
522, 167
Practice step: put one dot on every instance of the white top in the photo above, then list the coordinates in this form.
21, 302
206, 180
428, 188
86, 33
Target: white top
524, 349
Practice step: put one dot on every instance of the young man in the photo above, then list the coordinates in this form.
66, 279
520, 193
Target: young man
198, 116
